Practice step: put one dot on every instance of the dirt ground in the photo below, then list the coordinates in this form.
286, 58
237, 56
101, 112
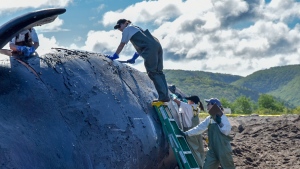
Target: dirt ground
266, 142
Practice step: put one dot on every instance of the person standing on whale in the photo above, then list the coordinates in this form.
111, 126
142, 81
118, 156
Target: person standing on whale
150, 49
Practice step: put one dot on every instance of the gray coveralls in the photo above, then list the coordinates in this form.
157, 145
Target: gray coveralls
150, 49
219, 149
196, 142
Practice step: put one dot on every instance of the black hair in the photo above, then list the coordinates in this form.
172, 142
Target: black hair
201, 106
128, 22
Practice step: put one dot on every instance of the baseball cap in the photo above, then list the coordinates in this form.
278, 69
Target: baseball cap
120, 21
195, 99
213, 101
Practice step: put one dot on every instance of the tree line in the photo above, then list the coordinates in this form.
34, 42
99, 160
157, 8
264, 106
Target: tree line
266, 104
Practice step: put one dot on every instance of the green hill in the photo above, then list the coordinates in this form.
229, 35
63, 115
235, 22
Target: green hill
226, 78
289, 92
207, 85
269, 80
283, 82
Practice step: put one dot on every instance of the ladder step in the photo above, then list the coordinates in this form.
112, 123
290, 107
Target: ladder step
187, 152
180, 147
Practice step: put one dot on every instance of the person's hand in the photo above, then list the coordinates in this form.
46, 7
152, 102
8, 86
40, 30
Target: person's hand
218, 119
131, 61
26, 51
174, 96
134, 57
113, 57
22, 49
29, 51
182, 133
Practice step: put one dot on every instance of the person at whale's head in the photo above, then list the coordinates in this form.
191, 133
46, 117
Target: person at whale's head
25, 43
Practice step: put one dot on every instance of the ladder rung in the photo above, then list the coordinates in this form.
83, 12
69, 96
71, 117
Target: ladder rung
183, 157
187, 152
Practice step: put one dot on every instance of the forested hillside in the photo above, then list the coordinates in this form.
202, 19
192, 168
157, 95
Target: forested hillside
282, 82
271, 79
207, 85
226, 78
289, 92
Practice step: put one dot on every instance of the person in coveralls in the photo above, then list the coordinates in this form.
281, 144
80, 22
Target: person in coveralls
150, 49
220, 152
25, 43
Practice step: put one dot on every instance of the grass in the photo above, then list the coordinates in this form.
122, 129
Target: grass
204, 115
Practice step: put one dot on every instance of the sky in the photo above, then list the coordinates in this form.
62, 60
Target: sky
221, 36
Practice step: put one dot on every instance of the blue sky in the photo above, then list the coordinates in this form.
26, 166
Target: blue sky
225, 36
81, 17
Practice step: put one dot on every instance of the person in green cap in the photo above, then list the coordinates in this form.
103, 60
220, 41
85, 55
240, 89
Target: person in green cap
219, 128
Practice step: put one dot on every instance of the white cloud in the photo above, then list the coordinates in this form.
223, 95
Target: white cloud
54, 26
14, 5
46, 44
226, 36
227, 8
203, 32
100, 7
102, 41
281, 10
34, 3
148, 11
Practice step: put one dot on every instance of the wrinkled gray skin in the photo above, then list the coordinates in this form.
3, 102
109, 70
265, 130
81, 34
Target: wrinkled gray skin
79, 110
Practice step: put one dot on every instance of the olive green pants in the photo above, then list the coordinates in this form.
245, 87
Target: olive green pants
219, 152
196, 144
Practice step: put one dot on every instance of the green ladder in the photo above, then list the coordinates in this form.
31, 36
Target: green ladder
178, 143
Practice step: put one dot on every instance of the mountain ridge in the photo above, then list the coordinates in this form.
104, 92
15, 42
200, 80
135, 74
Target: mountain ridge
280, 82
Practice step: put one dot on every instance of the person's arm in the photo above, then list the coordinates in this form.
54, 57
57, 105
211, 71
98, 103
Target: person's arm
35, 38
12, 45
120, 48
226, 127
118, 51
200, 128
36, 45
177, 102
